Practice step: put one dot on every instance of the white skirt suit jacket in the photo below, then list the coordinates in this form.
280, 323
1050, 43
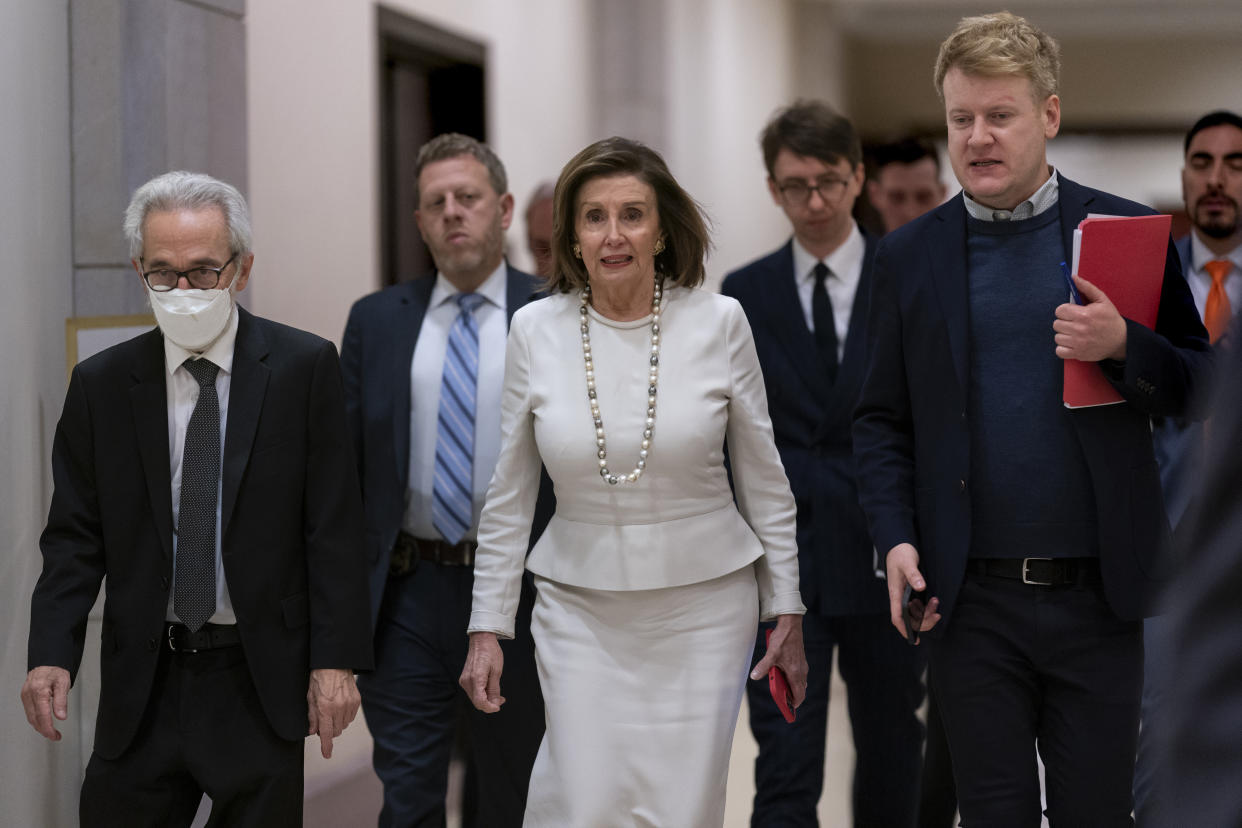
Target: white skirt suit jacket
678, 524
647, 604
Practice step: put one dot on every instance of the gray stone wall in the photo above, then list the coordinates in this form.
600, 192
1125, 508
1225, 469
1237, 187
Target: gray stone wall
156, 85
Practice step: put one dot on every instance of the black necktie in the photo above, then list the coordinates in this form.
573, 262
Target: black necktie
825, 325
194, 587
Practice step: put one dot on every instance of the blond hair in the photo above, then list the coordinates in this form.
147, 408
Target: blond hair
1001, 44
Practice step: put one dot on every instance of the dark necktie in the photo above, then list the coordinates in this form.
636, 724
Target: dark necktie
825, 325
194, 587
452, 504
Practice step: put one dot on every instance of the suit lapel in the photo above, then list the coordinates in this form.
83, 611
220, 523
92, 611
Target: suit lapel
787, 323
410, 313
519, 289
949, 266
1074, 202
247, 388
149, 398
856, 337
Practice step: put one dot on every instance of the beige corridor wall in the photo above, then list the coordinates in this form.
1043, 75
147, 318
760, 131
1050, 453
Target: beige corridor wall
312, 114
313, 109
38, 780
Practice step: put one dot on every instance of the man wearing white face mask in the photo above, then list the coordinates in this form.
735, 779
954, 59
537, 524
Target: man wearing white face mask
204, 468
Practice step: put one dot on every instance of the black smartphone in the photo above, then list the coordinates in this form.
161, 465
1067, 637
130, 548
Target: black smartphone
912, 608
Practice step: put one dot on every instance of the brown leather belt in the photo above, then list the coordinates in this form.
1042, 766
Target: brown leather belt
409, 550
207, 637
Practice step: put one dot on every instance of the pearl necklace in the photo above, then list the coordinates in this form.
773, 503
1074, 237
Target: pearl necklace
652, 380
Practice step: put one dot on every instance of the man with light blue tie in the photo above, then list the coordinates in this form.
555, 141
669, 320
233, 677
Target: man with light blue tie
423, 363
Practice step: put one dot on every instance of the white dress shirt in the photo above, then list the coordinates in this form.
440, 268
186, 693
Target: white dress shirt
182, 391
678, 524
845, 264
1201, 281
426, 374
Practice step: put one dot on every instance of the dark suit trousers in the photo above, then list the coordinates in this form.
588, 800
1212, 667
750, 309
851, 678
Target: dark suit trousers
412, 701
883, 679
1023, 667
203, 731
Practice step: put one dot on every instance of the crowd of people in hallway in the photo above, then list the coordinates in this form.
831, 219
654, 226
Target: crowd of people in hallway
565, 521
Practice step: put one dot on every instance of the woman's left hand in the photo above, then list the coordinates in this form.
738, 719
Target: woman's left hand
785, 651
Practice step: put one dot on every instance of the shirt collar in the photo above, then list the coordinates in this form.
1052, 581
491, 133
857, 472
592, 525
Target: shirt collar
1200, 255
841, 262
492, 289
220, 352
1040, 201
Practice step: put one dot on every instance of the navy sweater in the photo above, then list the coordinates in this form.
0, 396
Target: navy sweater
1031, 492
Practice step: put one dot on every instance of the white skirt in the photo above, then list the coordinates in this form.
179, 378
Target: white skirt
642, 690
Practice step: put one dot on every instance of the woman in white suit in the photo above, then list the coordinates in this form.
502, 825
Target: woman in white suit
627, 383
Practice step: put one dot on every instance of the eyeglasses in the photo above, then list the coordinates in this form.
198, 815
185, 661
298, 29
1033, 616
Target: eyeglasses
799, 191
200, 278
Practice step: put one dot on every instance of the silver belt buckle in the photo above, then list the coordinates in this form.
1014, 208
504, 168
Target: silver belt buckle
172, 644
1026, 578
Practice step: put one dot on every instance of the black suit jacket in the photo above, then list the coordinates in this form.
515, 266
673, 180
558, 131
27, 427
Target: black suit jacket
291, 537
811, 422
912, 436
1199, 719
376, 351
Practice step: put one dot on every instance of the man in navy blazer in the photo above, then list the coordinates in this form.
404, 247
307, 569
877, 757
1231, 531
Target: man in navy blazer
203, 469
806, 304
1036, 534
394, 356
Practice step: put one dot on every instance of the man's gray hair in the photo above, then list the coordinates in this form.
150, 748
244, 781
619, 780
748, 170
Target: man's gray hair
180, 190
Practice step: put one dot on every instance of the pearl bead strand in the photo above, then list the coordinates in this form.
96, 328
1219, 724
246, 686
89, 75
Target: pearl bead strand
652, 381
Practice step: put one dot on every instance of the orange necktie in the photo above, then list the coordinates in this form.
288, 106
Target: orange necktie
1217, 312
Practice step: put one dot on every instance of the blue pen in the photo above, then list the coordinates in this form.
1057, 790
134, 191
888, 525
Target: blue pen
1069, 280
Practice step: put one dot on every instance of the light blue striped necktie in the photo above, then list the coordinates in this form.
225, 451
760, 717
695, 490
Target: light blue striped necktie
452, 506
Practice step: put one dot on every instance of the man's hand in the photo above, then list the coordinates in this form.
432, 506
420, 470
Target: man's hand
1090, 332
480, 677
332, 702
785, 651
46, 694
902, 565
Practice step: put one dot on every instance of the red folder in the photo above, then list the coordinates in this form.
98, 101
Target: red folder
1124, 257
778, 686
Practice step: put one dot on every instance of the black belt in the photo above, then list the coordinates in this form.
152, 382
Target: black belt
208, 637
409, 550
1039, 571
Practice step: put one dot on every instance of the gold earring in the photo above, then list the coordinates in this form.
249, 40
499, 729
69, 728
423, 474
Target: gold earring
577, 250
659, 247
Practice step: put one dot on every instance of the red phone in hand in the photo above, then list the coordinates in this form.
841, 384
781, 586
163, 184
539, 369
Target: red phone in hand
778, 686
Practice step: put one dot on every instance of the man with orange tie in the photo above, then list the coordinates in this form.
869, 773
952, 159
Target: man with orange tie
1212, 263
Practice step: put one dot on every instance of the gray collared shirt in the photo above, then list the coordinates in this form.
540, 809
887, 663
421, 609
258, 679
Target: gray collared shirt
1041, 200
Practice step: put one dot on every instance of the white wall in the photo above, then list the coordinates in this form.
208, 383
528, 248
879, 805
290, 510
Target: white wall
38, 780
729, 68
313, 114
313, 127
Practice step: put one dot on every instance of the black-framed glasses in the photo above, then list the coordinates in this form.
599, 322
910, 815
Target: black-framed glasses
799, 191
199, 278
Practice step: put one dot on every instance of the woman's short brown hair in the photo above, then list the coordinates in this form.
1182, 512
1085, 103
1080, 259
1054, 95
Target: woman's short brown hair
686, 239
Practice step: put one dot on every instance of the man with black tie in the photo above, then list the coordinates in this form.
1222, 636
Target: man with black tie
204, 469
1211, 258
424, 366
806, 303
1035, 533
